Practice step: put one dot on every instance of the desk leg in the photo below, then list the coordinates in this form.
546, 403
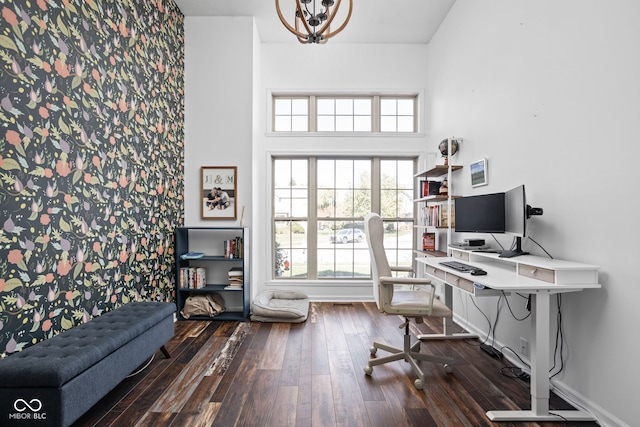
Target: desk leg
540, 347
447, 323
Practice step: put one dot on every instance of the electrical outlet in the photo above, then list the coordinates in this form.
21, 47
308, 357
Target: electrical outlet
524, 347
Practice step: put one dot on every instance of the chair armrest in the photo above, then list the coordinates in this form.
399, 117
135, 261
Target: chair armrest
403, 269
386, 280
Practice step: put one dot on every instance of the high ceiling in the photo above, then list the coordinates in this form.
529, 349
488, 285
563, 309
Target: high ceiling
372, 21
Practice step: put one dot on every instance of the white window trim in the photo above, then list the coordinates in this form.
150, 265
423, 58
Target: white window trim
420, 112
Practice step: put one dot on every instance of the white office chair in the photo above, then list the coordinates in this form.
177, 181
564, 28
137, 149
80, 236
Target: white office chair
410, 303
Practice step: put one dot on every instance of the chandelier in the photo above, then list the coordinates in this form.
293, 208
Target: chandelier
313, 25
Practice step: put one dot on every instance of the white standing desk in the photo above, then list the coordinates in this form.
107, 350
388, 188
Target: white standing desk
539, 277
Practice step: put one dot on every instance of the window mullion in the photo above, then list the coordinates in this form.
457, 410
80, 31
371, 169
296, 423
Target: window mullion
375, 185
375, 113
312, 224
313, 115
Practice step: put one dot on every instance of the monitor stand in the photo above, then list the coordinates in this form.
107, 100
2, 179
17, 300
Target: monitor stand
516, 252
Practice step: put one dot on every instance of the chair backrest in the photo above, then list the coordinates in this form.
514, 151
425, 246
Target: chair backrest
374, 232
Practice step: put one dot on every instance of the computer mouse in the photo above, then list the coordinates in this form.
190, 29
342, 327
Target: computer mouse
478, 272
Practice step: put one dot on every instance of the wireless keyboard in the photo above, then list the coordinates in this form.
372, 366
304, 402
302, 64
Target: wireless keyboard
456, 265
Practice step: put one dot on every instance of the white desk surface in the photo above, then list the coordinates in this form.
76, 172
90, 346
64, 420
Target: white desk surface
501, 273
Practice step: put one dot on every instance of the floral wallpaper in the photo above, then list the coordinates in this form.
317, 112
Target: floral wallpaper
91, 160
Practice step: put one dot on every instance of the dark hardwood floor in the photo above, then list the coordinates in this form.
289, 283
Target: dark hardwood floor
311, 374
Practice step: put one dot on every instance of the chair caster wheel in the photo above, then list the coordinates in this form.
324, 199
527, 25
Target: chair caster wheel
368, 370
418, 384
448, 368
373, 350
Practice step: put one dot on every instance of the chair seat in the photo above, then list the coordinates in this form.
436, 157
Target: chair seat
406, 300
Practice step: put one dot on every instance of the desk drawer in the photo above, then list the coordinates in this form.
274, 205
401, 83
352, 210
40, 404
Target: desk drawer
464, 256
460, 282
436, 272
543, 274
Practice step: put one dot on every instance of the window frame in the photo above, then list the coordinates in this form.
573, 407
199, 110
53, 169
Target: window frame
312, 220
376, 118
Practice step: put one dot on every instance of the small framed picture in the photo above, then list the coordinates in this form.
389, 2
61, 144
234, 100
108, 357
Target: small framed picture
479, 173
218, 192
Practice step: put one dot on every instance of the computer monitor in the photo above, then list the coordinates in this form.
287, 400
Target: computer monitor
515, 219
516, 214
480, 214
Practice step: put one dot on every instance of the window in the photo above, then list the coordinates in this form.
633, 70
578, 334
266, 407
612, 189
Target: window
396, 115
319, 205
291, 114
343, 115
315, 113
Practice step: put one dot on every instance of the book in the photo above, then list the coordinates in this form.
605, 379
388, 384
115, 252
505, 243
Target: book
429, 241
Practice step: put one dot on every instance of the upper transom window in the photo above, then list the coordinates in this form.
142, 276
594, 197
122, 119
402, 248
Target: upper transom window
315, 113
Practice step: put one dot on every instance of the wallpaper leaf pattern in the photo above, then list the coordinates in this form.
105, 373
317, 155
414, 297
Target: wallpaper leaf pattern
91, 160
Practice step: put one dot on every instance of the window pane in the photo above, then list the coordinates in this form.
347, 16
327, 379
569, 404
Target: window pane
405, 124
344, 107
299, 203
299, 173
290, 249
282, 203
326, 106
388, 173
326, 204
300, 107
282, 106
362, 173
299, 124
344, 123
362, 123
326, 173
405, 107
344, 173
362, 107
326, 124
405, 175
282, 124
388, 107
344, 203
281, 173
387, 124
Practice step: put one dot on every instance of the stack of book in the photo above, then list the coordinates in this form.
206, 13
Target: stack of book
236, 278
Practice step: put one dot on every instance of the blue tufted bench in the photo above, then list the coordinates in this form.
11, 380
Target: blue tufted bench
57, 380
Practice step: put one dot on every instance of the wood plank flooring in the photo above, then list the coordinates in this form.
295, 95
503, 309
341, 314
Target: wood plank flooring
311, 374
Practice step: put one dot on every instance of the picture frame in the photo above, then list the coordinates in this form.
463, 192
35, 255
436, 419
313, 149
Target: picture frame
218, 192
479, 173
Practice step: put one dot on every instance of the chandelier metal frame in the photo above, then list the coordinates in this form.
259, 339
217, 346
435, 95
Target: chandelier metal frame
316, 22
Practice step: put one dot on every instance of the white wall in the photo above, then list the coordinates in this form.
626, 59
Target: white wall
219, 84
549, 92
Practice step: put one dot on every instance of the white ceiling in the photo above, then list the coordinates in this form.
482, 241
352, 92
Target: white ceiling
372, 21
